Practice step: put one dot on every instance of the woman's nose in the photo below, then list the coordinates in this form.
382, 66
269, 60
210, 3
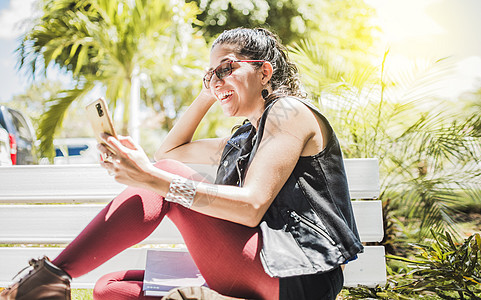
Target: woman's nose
215, 81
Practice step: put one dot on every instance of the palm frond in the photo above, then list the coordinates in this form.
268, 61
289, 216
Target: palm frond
325, 72
53, 118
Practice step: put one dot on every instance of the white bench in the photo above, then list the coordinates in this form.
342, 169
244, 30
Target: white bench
83, 190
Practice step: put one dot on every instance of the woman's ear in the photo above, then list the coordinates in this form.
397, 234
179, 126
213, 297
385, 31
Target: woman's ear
266, 71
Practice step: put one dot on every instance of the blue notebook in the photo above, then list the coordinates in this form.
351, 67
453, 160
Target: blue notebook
166, 269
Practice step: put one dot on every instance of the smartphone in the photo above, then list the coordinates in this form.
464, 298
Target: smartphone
100, 119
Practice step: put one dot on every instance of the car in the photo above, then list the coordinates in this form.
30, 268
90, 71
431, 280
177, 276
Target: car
21, 136
5, 159
76, 151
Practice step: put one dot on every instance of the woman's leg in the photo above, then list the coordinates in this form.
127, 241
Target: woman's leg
121, 285
125, 221
227, 254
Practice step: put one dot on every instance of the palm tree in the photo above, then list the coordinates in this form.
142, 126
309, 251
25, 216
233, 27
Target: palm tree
112, 43
429, 153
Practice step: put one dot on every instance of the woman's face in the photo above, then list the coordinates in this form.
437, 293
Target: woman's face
239, 93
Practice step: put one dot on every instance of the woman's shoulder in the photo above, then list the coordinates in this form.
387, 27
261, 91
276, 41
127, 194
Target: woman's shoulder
291, 109
292, 114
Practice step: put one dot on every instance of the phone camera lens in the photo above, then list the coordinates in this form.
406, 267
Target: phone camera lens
99, 109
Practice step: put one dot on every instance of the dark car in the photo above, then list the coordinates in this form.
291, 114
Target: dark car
21, 136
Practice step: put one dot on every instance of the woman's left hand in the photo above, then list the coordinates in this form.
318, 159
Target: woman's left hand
127, 161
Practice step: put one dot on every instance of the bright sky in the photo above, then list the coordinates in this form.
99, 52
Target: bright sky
11, 14
413, 29
434, 29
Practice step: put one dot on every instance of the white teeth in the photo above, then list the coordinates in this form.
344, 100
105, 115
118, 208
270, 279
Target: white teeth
224, 95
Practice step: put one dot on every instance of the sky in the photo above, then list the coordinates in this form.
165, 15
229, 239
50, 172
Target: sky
12, 12
412, 29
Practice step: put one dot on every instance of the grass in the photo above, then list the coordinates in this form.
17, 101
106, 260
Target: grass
79, 294
82, 294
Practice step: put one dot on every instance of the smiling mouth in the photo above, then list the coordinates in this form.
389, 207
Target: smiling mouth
224, 96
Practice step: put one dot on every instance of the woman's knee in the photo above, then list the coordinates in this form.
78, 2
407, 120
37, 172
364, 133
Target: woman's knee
101, 289
119, 285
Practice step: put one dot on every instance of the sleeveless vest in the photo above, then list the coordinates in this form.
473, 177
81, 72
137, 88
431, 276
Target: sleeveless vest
309, 227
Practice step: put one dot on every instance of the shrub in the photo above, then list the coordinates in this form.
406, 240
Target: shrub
445, 268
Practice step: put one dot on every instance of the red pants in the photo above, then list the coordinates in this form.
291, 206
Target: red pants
226, 253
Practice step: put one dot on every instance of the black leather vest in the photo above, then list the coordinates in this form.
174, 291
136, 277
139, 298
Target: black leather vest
309, 227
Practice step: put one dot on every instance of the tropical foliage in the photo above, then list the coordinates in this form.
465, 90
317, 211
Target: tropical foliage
446, 268
108, 43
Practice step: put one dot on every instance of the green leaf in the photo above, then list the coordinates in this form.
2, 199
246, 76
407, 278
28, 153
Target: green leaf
53, 118
477, 236
400, 258
80, 59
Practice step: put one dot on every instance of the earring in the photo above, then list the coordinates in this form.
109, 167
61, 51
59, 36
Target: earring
265, 93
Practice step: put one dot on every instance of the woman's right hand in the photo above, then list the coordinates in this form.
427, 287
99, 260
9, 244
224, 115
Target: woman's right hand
206, 95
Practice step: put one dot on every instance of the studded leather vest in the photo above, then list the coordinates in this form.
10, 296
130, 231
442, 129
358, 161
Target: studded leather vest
309, 227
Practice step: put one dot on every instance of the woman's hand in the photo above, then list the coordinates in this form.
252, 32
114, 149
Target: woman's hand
127, 161
206, 95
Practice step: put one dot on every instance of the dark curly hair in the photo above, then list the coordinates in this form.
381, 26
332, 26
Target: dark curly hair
261, 44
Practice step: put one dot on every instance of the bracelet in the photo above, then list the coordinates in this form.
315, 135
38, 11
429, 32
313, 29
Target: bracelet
181, 191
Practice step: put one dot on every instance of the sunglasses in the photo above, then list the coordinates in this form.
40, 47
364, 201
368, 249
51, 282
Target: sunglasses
224, 70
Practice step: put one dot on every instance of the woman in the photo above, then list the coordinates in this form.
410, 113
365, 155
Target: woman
276, 224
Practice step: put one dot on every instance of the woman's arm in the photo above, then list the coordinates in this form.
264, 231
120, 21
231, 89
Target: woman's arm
289, 128
178, 144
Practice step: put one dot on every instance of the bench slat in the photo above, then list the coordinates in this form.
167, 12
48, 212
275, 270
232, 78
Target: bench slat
369, 221
58, 183
368, 269
363, 177
91, 183
60, 224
